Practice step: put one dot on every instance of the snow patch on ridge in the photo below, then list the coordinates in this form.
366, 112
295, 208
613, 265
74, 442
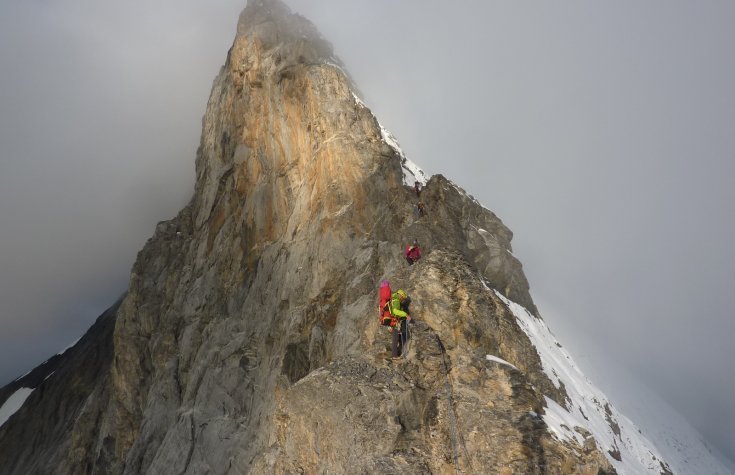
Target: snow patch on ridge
587, 412
561, 422
68, 347
499, 360
24, 374
13, 403
359, 101
411, 172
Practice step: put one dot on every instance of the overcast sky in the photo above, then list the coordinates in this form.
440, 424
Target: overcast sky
603, 134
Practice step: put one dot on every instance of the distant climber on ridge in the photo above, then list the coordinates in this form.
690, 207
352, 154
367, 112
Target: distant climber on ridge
398, 306
417, 188
413, 252
421, 209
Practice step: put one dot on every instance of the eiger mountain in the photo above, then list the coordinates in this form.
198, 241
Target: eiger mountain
248, 340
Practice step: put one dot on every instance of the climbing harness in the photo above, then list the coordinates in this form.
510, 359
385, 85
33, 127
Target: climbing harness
456, 434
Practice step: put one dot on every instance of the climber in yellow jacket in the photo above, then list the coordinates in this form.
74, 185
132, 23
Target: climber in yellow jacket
398, 306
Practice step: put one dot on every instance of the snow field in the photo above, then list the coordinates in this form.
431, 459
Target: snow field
13, 403
587, 407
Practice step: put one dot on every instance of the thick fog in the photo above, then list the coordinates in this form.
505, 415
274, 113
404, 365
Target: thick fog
602, 134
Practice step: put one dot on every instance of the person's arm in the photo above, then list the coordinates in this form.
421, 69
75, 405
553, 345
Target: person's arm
395, 309
405, 306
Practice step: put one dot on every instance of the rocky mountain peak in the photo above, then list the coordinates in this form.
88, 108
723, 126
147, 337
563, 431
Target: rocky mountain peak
282, 125
248, 340
271, 23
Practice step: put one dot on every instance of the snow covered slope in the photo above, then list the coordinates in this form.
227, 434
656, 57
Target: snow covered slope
673, 446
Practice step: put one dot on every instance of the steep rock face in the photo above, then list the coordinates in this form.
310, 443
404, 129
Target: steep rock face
248, 343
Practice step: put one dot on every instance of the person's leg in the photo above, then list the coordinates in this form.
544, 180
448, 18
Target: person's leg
395, 342
404, 334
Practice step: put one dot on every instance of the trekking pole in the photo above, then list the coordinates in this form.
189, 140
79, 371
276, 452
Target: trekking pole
408, 337
404, 339
404, 350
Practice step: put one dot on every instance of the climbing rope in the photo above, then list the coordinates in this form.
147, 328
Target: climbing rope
456, 434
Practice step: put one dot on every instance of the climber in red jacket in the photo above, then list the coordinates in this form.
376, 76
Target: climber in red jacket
413, 252
421, 209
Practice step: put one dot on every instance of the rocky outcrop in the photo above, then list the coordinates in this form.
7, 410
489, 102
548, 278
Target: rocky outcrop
61, 413
441, 409
247, 341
